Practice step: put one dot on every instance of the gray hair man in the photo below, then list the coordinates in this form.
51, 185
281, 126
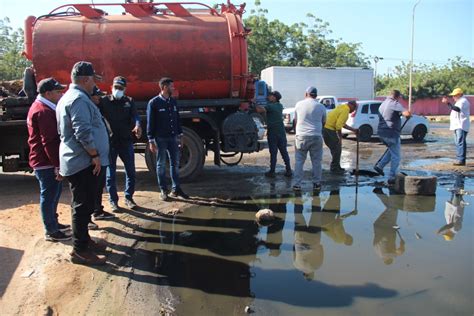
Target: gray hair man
83, 152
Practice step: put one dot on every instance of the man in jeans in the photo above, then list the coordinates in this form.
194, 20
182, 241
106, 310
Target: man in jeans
165, 137
83, 151
389, 130
459, 122
43, 140
310, 117
120, 111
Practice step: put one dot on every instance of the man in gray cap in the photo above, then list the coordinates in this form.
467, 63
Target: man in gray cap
83, 152
310, 117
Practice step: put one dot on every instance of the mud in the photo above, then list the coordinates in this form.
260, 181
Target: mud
208, 256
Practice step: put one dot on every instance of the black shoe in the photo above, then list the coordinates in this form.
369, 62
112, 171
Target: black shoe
103, 216
316, 187
57, 236
270, 174
163, 195
297, 188
92, 226
64, 228
391, 181
288, 173
459, 163
179, 193
379, 170
338, 170
130, 203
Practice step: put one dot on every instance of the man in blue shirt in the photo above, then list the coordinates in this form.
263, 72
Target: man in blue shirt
389, 131
165, 136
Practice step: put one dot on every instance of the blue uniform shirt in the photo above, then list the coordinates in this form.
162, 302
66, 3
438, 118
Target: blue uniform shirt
163, 118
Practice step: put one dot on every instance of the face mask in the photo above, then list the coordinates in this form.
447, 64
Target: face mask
118, 94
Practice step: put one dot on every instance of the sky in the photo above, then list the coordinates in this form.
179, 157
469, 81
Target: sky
443, 28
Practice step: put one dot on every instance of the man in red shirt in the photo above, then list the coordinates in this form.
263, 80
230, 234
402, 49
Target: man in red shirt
44, 143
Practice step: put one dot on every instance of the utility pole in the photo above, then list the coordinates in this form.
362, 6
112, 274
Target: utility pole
411, 62
376, 60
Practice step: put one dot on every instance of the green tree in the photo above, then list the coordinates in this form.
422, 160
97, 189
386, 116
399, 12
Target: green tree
429, 81
12, 64
273, 43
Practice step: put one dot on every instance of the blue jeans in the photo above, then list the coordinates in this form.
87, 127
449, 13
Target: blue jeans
50, 192
461, 144
127, 155
278, 142
167, 146
392, 155
303, 145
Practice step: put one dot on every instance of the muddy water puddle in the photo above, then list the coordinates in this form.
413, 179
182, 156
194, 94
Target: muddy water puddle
329, 252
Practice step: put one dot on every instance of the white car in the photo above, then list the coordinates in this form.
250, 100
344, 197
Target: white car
329, 102
366, 119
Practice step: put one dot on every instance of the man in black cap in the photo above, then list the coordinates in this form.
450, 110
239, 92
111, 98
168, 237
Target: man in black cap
99, 213
121, 113
276, 134
165, 136
83, 152
43, 140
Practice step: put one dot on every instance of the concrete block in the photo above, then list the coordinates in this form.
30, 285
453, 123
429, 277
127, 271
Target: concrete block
415, 185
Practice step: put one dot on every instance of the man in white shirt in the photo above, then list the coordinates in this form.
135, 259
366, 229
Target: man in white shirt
459, 123
310, 116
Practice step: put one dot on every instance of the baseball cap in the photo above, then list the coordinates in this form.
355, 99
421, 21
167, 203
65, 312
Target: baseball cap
97, 92
120, 81
276, 94
456, 91
49, 84
84, 68
353, 103
312, 91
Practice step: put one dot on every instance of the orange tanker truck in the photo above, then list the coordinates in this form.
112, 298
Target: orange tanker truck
203, 49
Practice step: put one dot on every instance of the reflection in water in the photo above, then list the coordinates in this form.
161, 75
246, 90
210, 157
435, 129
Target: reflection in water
454, 211
386, 232
308, 253
219, 259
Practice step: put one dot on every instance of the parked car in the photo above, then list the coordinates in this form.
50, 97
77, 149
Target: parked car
328, 101
366, 119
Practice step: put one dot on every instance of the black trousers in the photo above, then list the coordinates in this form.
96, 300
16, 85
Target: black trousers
99, 208
84, 187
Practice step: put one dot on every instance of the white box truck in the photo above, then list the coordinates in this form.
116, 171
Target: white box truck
345, 83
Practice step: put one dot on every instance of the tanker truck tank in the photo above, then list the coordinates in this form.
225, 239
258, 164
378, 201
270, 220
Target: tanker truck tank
203, 49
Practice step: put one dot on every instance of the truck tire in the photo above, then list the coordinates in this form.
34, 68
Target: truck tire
191, 159
419, 133
365, 133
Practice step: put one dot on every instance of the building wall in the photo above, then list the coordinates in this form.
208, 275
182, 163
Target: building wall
432, 106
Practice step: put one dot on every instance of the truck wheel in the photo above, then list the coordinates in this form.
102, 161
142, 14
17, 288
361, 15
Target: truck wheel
419, 133
365, 133
191, 160
192, 155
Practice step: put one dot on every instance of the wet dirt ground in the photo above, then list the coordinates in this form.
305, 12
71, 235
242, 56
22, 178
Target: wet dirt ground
336, 252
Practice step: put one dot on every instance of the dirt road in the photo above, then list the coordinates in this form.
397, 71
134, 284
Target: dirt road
38, 279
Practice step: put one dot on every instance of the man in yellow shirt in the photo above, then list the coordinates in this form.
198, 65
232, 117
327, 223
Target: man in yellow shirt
336, 120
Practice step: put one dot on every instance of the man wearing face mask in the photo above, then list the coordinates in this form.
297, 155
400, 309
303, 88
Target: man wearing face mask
120, 111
